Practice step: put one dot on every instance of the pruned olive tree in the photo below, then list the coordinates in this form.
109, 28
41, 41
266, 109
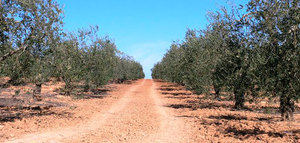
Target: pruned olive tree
247, 52
29, 31
275, 28
67, 63
84, 58
34, 48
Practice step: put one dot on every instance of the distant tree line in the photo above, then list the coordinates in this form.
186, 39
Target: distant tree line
250, 51
34, 49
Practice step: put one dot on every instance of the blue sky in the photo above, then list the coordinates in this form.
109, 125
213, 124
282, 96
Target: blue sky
143, 29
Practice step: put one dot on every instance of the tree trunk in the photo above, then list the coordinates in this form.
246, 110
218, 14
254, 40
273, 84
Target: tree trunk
15, 79
287, 107
239, 96
87, 87
37, 92
217, 92
68, 88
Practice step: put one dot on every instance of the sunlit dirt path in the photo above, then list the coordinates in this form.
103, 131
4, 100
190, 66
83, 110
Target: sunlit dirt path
138, 116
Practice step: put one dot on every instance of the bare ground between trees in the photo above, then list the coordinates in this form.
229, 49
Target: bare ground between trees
133, 113
144, 111
218, 121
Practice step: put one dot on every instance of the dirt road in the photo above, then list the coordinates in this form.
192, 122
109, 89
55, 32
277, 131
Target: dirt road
139, 115
148, 112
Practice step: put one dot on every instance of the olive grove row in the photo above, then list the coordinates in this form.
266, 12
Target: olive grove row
251, 51
34, 48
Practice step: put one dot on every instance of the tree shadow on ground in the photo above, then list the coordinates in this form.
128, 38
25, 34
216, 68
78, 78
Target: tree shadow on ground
195, 107
19, 116
229, 117
12, 108
187, 116
196, 104
10, 102
178, 97
90, 96
100, 91
170, 86
212, 105
206, 122
17, 113
246, 133
4, 85
180, 106
24, 101
176, 93
243, 133
266, 110
239, 117
168, 89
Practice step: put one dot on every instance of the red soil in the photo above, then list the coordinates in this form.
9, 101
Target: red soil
144, 111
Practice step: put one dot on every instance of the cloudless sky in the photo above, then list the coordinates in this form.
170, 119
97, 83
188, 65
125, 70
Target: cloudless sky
143, 29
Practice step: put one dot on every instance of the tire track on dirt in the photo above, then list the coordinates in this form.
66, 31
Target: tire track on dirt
172, 129
138, 116
133, 123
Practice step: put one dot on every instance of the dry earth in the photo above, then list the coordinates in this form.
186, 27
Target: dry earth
147, 111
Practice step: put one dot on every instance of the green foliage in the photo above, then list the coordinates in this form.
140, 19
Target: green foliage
34, 48
127, 69
84, 57
67, 63
276, 42
253, 54
31, 27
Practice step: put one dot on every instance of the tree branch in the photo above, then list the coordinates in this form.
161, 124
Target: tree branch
4, 57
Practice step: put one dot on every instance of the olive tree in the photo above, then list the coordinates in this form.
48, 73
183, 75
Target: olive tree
30, 31
275, 28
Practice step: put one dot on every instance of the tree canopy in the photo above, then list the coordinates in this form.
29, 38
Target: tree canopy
34, 48
249, 51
